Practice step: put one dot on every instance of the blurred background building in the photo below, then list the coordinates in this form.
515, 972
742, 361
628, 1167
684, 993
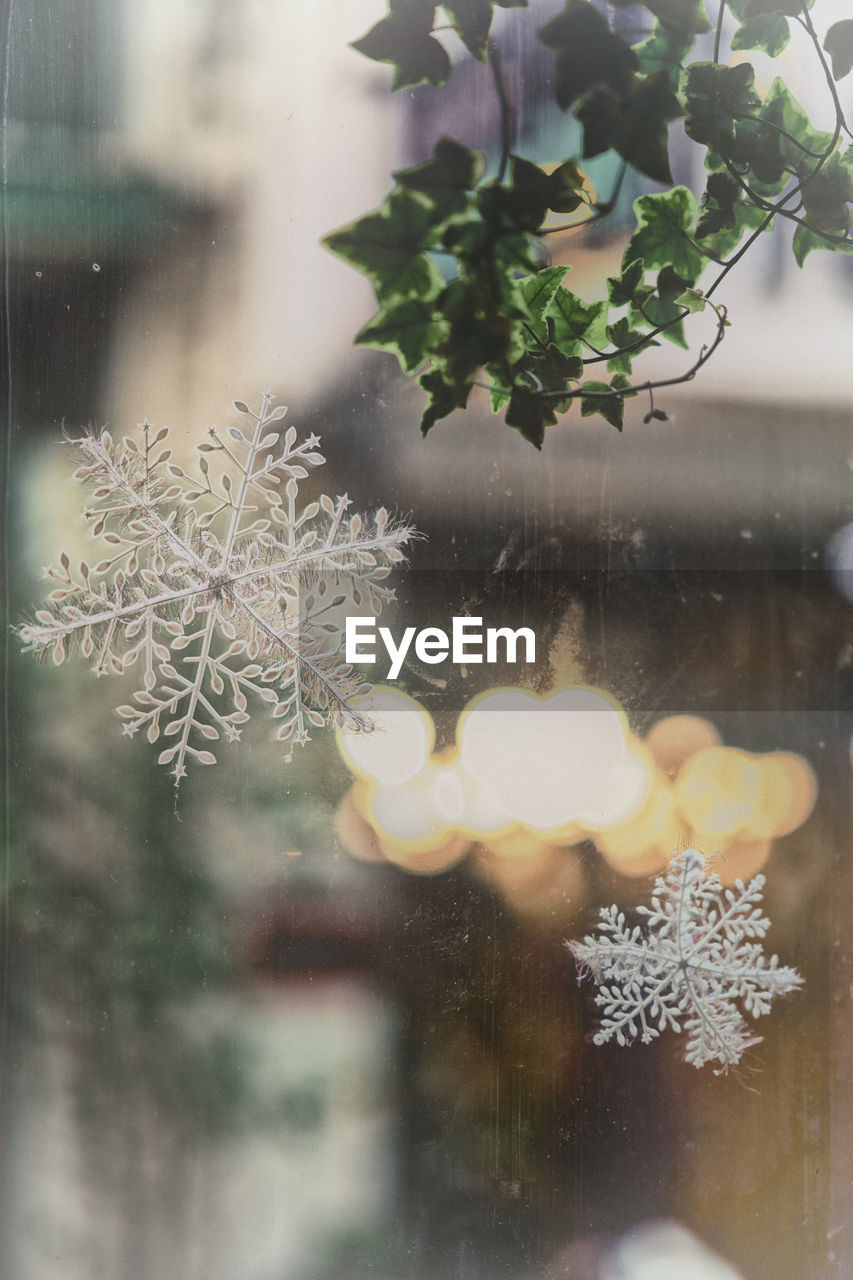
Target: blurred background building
232, 1049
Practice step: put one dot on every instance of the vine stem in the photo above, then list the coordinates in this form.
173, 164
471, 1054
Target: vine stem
507, 124
650, 385
718, 34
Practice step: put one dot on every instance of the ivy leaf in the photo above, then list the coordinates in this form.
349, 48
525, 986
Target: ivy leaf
446, 178
573, 320
806, 240
530, 413
598, 397
751, 8
661, 236
693, 299
403, 39
827, 196
839, 45
388, 246
635, 125
715, 97
664, 50
588, 53
649, 108
538, 291
565, 187
525, 201
766, 31
622, 336
482, 330
748, 217
663, 309
553, 367
782, 108
717, 213
412, 330
473, 19
622, 289
683, 16
443, 398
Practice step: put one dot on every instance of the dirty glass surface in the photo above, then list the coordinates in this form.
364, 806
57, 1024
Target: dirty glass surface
309, 1012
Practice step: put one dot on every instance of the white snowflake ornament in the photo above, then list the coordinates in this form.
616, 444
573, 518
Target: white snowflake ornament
699, 966
217, 587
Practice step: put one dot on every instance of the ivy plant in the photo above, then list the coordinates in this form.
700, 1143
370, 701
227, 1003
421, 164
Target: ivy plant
458, 254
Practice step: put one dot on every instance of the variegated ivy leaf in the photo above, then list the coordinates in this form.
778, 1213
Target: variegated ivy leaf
216, 587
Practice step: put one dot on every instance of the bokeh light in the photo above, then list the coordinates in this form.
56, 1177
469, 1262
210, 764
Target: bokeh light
533, 777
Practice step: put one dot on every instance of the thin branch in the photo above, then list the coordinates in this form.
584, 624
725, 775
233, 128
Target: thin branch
718, 34
507, 123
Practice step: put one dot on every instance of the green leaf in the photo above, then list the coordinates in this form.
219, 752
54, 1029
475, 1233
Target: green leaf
805, 241
412, 330
663, 309
552, 368
693, 299
538, 292
442, 398
682, 16
530, 413
748, 217
766, 31
782, 109
622, 289
451, 170
573, 320
649, 108
403, 39
621, 335
565, 187
482, 330
635, 125
714, 97
717, 213
751, 8
473, 19
661, 236
839, 45
827, 196
528, 195
598, 397
588, 53
664, 50
388, 246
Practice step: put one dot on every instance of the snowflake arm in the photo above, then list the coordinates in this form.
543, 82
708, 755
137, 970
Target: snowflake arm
698, 967
217, 587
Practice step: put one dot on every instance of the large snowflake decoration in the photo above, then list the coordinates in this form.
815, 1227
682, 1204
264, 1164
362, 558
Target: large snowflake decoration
700, 966
217, 587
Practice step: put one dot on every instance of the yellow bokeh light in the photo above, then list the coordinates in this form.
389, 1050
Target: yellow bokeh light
741, 860
426, 862
646, 839
718, 792
787, 794
673, 740
355, 832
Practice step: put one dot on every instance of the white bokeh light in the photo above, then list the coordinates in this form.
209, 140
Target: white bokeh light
399, 745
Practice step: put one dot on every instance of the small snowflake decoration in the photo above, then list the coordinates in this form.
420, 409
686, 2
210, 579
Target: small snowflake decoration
217, 587
700, 962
